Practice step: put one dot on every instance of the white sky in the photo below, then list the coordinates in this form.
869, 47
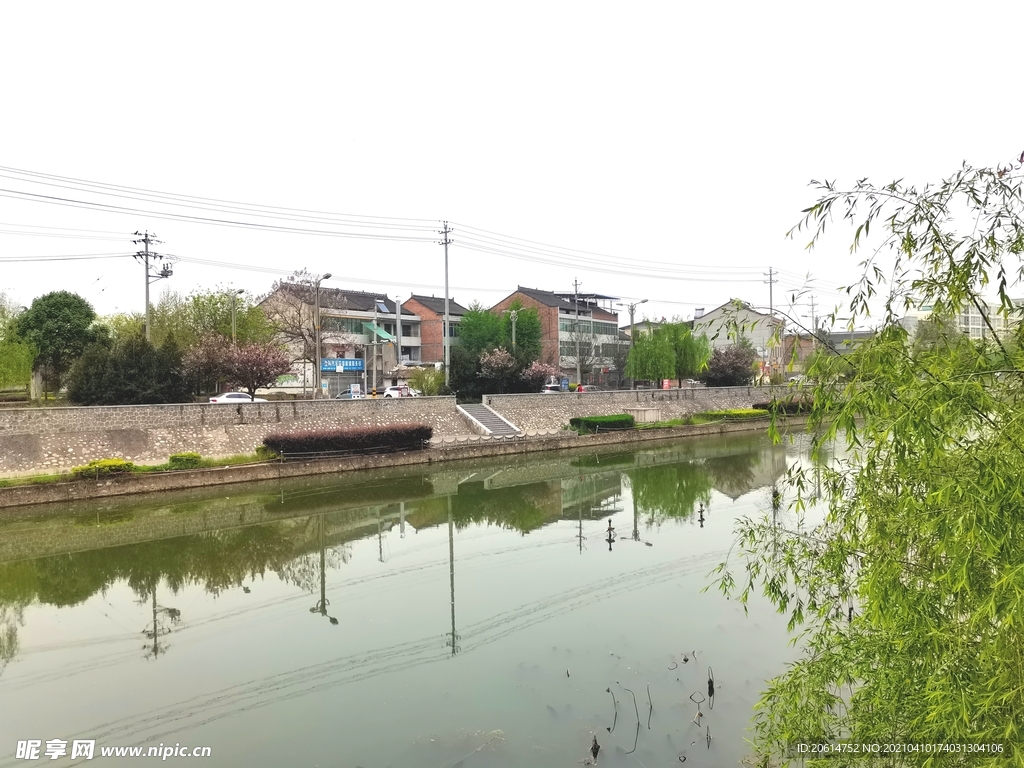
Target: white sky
679, 133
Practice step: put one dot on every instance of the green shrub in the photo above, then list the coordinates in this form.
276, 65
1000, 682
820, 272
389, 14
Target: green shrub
352, 440
184, 461
801, 405
732, 414
589, 425
265, 454
103, 468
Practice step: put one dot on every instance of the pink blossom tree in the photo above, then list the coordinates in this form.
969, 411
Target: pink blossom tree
258, 365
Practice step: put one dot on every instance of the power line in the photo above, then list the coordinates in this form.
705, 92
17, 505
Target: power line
173, 198
63, 257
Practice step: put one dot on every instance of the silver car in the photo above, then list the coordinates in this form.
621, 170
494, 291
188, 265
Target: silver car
236, 397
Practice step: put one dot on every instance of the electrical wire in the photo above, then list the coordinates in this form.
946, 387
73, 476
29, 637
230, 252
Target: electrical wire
169, 216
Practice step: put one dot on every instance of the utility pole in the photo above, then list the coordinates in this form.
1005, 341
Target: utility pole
234, 296
317, 375
814, 325
772, 280
146, 239
576, 326
398, 331
446, 337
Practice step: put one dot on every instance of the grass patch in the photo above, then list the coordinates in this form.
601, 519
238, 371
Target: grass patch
592, 425
101, 468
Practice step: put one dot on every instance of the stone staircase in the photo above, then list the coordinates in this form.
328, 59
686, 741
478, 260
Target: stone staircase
485, 421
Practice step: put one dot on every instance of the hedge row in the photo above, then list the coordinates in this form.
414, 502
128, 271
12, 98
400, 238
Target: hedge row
787, 406
103, 468
734, 414
350, 440
592, 424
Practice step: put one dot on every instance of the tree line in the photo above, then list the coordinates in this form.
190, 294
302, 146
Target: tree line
109, 361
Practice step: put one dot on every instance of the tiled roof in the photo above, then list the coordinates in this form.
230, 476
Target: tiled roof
436, 304
544, 297
353, 301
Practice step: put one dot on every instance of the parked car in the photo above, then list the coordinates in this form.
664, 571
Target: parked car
400, 392
236, 397
551, 388
349, 394
589, 388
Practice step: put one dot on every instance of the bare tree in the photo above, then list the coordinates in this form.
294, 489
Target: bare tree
290, 309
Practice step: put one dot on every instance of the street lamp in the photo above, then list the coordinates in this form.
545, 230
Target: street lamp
316, 320
632, 311
513, 314
234, 296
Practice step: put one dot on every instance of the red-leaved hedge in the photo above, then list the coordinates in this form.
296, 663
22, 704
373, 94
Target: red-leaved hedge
349, 440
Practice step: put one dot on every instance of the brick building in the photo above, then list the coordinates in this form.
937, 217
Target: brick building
571, 322
430, 310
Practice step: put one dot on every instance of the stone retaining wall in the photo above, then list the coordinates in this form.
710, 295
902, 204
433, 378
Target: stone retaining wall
55, 439
552, 411
141, 483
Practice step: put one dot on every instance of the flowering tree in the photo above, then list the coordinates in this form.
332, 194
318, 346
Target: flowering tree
730, 366
208, 362
537, 374
258, 365
500, 366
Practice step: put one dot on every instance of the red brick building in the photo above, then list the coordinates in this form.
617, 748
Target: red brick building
568, 322
431, 312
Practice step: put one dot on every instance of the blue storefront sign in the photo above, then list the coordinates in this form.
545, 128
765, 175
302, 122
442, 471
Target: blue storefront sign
340, 364
564, 384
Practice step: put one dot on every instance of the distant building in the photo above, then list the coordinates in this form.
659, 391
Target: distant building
357, 334
431, 312
641, 326
970, 320
725, 324
569, 323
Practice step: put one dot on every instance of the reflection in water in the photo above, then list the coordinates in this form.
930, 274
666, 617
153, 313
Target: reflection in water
666, 483
323, 602
519, 590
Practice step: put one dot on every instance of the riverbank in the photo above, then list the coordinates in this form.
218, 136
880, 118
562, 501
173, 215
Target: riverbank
154, 482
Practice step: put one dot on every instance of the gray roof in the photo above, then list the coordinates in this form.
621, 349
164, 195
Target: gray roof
436, 304
544, 297
341, 299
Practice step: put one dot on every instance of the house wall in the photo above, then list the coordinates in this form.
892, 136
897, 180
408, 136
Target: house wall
431, 325
753, 325
56, 439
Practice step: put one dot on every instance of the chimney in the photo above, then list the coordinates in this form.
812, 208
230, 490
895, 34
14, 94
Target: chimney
698, 313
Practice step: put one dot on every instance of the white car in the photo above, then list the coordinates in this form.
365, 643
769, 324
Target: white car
236, 397
400, 392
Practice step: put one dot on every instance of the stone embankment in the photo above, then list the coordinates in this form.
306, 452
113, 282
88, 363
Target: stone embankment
51, 440
55, 439
546, 411
474, 447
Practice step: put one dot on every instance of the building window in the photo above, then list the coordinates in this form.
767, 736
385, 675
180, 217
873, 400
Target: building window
410, 330
453, 329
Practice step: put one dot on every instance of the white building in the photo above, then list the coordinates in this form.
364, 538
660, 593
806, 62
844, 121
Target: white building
970, 321
725, 324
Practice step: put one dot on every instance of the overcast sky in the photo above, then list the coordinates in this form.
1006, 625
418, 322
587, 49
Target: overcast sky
652, 151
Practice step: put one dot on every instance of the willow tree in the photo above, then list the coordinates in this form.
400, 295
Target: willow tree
906, 583
651, 358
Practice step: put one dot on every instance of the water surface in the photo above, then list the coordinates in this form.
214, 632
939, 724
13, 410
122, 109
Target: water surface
476, 615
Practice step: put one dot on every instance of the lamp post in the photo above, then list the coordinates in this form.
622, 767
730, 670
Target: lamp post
316, 320
234, 296
513, 314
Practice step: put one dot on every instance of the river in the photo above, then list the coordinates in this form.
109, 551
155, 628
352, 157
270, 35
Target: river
474, 615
